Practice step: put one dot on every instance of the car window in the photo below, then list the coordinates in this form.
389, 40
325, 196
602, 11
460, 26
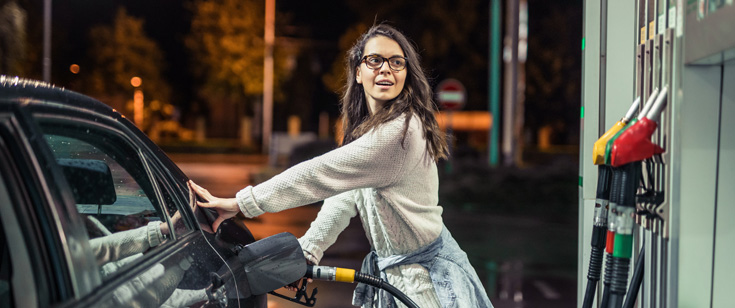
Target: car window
129, 200
113, 192
119, 205
172, 197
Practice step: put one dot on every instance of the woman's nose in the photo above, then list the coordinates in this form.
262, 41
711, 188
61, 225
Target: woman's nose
385, 68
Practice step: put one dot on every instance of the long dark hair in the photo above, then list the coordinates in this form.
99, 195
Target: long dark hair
415, 99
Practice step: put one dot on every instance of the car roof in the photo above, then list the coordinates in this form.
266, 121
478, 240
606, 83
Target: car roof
19, 91
13, 90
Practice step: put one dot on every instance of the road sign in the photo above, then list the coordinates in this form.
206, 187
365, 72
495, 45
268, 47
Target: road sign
450, 94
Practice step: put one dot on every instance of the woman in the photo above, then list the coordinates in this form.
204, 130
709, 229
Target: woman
386, 172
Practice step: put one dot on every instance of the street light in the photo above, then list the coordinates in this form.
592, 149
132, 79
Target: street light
47, 41
269, 36
137, 101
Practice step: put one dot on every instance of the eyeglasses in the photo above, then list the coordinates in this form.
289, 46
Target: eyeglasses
396, 63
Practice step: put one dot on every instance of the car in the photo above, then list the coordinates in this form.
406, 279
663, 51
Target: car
93, 213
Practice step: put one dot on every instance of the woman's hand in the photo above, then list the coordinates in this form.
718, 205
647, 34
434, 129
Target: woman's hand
179, 225
226, 207
164, 225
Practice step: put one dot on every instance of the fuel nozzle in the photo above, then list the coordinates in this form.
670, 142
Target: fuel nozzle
634, 144
351, 276
630, 122
598, 150
330, 273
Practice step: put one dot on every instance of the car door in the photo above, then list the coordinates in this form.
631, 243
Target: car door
33, 270
16, 290
117, 189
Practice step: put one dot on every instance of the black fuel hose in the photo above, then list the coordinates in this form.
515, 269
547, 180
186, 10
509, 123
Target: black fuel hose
599, 234
352, 276
635, 282
615, 184
622, 251
595, 269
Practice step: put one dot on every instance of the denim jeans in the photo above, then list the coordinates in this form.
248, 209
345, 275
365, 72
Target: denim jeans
455, 281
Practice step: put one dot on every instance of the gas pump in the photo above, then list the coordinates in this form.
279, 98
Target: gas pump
672, 170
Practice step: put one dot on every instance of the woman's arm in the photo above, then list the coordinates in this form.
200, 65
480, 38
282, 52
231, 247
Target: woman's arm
332, 219
376, 159
119, 245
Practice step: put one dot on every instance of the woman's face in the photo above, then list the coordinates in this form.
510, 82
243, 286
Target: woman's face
384, 83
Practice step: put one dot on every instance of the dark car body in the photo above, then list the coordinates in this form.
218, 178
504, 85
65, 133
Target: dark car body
85, 198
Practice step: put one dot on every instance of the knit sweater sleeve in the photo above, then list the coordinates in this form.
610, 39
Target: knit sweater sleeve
333, 218
123, 244
374, 160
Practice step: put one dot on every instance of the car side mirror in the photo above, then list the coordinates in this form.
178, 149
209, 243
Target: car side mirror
90, 180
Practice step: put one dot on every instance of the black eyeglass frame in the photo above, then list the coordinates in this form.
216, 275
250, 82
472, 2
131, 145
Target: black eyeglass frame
383, 61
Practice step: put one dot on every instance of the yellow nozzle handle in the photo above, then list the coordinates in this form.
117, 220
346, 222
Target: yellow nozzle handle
598, 151
345, 275
330, 273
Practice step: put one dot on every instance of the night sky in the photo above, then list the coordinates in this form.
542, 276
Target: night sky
167, 22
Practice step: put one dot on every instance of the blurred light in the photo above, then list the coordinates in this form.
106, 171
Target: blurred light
465, 120
74, 69
168, 109
294, 126
136, 81
138, 106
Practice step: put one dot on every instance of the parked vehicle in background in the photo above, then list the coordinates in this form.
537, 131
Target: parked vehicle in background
92, 213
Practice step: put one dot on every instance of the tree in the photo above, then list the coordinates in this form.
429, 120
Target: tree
553, 70
334, 80
119, 52
13, 20
226, 43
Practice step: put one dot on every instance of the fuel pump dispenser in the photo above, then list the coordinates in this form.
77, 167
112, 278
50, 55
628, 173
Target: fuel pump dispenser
672, 169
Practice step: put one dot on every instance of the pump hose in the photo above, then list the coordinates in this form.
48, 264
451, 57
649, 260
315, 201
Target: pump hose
635, 282
606, 281
619, 283
593, 275
352, 276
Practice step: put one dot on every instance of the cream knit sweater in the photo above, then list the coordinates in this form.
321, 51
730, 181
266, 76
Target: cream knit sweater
393, 186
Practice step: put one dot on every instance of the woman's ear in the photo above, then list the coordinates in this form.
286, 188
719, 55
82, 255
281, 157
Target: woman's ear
358, 75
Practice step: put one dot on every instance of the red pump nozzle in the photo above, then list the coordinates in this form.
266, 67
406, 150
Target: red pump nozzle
634, 144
